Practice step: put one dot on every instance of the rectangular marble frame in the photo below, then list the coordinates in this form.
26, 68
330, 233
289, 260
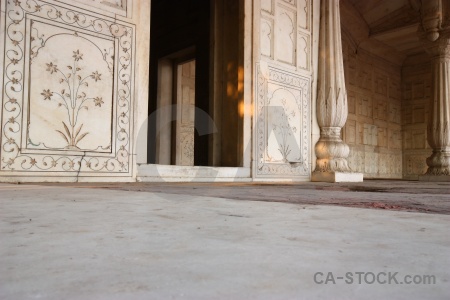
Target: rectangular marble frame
264, 168
281, 42
26, 105
13, 33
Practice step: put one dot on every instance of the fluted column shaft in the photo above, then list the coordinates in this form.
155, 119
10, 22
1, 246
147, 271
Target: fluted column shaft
438, 130
332, 107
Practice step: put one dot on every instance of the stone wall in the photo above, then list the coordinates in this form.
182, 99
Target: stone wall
68, 95
373, 128
283, 97
416, 92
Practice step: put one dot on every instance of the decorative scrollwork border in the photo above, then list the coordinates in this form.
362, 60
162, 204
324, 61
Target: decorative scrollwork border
294, 81
12, 160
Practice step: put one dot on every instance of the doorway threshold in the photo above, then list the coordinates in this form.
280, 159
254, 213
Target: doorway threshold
171, 173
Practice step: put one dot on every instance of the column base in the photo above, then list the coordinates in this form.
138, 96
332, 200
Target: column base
435, 178
336, 177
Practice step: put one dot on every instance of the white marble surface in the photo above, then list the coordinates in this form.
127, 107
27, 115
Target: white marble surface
336, 177
283, 112
68, 100
68, 243
153, 172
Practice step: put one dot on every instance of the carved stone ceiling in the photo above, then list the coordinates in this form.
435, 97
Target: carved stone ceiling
392, 22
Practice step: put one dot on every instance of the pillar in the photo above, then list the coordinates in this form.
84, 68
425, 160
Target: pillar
332, 108
438, 128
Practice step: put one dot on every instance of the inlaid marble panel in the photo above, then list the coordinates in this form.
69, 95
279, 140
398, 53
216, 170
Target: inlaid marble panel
304, 14
283, 118
67, 101
267, 37
285, 36
71, 85
285, 33
303, 51
282, 88
186, 114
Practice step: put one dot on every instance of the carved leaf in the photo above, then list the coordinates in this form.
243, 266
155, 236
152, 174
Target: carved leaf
63, 135
81, 137
67, 130
78, 131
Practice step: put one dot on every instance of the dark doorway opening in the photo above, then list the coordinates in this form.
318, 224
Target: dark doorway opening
209, 34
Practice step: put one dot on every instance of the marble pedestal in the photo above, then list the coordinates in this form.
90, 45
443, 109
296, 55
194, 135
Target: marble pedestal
336, 177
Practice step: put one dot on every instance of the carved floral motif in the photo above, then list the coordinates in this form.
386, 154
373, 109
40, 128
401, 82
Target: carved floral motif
281, 124
20, 48
284, 129
72, 98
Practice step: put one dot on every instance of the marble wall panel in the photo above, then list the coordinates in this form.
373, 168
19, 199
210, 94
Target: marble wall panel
374, 114
350, 130
267, 37
415, 165
415, 108
356, 159
395, 113
285, 33
285, 37
380, 111
283, 120
283, 90
395, 139
72, 86
303, 51
267, 6
304, 14
382, 137
68, 89
186, 106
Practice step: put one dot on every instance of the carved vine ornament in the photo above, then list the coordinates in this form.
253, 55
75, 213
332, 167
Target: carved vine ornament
72, 97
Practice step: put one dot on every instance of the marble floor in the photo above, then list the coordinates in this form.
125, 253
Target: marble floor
130, 241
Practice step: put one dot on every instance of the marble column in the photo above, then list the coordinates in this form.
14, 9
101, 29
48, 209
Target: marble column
438, 129
332, 108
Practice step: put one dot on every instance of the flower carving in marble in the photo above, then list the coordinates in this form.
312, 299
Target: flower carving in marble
72, 97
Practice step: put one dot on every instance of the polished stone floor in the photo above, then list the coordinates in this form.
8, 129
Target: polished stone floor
208, 241
413, 196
